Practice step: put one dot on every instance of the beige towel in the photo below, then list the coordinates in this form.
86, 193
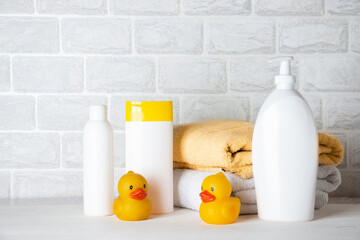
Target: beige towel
226, 145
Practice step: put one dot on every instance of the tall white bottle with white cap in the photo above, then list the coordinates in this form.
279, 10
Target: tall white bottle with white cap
285, 153
98, 163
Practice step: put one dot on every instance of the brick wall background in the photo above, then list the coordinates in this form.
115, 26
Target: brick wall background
208, 56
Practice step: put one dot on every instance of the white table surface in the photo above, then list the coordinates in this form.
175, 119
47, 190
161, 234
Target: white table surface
66, 221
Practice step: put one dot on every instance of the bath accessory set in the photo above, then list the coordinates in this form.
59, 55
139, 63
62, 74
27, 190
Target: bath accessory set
275, 162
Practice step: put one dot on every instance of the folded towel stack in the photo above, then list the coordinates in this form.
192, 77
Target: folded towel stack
187, 188
225, 145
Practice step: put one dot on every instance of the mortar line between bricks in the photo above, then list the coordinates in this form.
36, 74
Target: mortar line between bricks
65, 131
35, 7
60, 35
181, 8
180, 109
61, 160
38, 131
150, 55
132, 36
252, 11
299, 79
108, 7
39, 170
115, 168
228, 80
157, 70
85, 75
250, 98
323, 117
108, 110
349, 35
36, 111
11, 184
58, 131
349, 93
277, 36
11, 90
179, 16
206, 39
325, 9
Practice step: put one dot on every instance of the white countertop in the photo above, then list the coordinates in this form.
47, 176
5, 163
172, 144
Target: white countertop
66, 221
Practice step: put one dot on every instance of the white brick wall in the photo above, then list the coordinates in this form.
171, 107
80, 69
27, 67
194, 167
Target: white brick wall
241, 36
65, 112
81, 7
30, 150
250, 74
144, 7
29, 35
48, 74
120, 74
4, 74
219, 7
17, 112
318, 36
355, 36
168, 35
95, 35
214, 107
326, 69
17, 6
289, 7
47, 184
192, 75
207, 56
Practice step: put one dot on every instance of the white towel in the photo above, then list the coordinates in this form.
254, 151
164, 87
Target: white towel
187, 184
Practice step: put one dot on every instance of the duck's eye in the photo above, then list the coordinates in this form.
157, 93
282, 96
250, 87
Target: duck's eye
131, 187
212, 188
144, 185
201, 188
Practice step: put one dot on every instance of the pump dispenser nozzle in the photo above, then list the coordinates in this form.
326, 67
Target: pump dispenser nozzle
284, 80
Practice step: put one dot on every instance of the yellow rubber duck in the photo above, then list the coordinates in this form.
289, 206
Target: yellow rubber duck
132, 203
217, 206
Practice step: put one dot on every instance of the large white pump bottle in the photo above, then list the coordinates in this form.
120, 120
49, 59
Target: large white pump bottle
285, 153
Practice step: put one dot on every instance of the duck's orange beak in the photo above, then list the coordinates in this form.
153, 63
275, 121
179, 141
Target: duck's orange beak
206, 196
138, 194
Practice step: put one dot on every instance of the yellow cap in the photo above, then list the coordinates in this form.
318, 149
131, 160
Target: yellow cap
149, 111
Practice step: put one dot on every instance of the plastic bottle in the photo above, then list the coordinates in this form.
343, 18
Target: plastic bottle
149, 149
98, 163
285, 153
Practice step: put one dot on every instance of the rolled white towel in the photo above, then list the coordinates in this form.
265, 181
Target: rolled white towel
321, 198
248, 209
187, 184
328, 178
248, 197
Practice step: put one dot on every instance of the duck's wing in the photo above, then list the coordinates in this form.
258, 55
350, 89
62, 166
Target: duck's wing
117, 206
231, 207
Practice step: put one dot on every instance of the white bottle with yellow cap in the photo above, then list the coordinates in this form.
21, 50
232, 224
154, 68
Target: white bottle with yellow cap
149, 149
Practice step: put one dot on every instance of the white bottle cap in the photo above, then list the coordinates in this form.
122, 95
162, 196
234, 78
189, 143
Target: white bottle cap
284, 80
97, 112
